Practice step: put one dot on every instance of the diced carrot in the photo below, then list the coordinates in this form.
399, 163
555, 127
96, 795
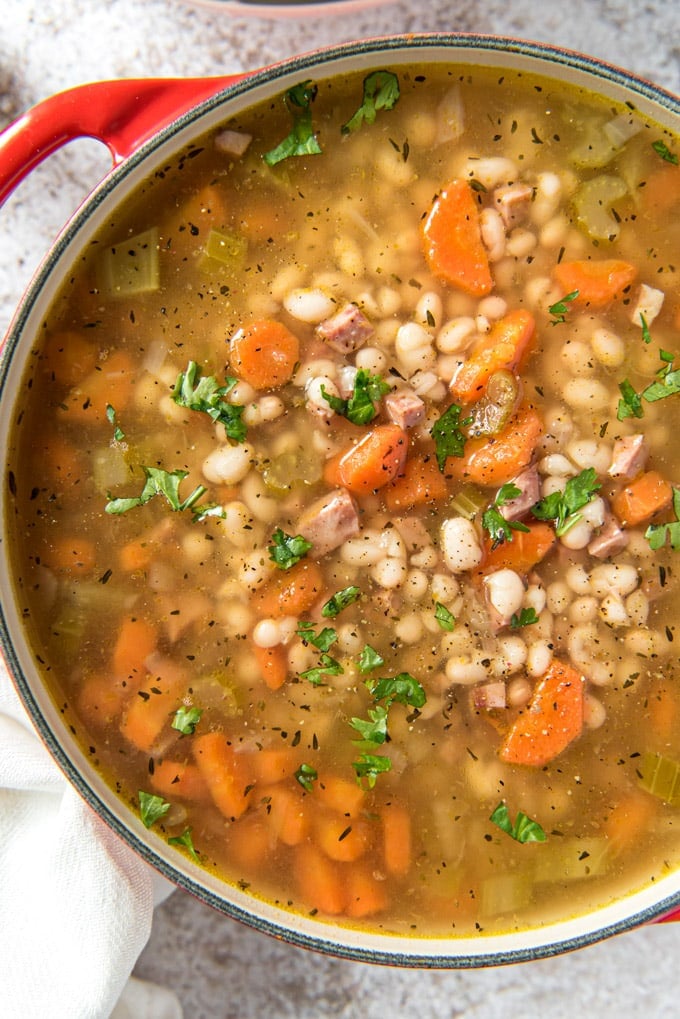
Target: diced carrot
63, 462
627, 824
366, 895
339, 838
397, 848
662, 190
111, 382
453, 243
320, 881
249, 842
272, 764
152, 707
552, 720
135, 555
225, 772
70, 554
421, 483
374, 461
69, 357
503, 347
264, 353
288, 814
181, 779
136, 640
638, 501
340, 795
597, 281
273, 665
662, 705
291, 592
500, 458
188, 228
520, 553
101, 699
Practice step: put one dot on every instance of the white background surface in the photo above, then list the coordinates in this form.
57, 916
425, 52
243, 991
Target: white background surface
219, 969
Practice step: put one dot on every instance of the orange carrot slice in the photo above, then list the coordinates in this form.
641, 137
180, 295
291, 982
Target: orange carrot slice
642, 498
291, 592
225, 772
420, 484
273, 665
496, 460
136, 640
597, 282
152, 707
503, 346
452, 240
366, 895
553, 719
375, 461
264, 353
340, 838
180, 779
320, 881
522, 552
397, 849
111, 382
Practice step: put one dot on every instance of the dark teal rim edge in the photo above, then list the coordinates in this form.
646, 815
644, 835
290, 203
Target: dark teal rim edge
600, 70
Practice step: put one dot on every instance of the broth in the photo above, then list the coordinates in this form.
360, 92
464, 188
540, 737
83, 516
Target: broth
342, 502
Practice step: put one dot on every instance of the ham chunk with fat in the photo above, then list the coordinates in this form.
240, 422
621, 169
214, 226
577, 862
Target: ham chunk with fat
404, 408
345, 331
513, 201
629, 457
329, 521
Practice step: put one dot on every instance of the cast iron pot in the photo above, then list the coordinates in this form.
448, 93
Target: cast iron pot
144, 123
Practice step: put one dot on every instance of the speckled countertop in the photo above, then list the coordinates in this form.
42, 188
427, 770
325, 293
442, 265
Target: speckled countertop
219, 969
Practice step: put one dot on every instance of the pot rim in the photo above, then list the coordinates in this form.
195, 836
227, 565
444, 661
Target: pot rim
638, 907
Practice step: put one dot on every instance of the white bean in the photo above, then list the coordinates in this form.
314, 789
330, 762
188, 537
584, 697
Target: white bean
511, 654
493, 233
558, 597
609, 349
416, 584
613, 611
547, 197
309, 304
535, 598
505, 591
238, 525
267, 633
409, 628
227, 465
389, 572
414, 347
520, 243
539, 656
460, 544
578, 536
492, 307
613, 578
316, 403
466, 669
589, 453
577, 357
553, 233
371, 359
583, 609
429, 309
456, 335
577, 578
518, 692
556, 463
444, 587
586, 394
594, 712
363, 550
637, 607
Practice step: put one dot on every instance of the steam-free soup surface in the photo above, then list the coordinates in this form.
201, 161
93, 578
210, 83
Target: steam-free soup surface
343, 504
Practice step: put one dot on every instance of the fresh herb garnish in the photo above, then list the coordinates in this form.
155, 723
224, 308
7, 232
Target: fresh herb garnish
560, 308
646, 335
360, 408
339, 601
381, 92
204, 394
630, 404
374, 731
662, 150
369, 659
403, 688
494, 522
448, 438
444, 617
287, 549
306, 775
658, 534
525, 617
321, 640
301, 141
563, 507
523, 830
667, 384
118, 433
151, 808
369, 766
327, 667
186, 842
186, 719
158, 482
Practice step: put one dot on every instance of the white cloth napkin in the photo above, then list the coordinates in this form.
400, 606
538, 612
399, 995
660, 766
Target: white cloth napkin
76, 903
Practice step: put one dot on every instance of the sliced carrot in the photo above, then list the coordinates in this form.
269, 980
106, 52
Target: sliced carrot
320, 881
552, 720
111, 382
627, 824
420, 484
152, 707
273, 665
452, 240
136, 640
101, 699
340, 838
366, 895
271, 764
70, 554
503, 347
69, 357
63, 462
181, 779
340, 795
597, 281
520, 553
375, 461
249, 842
291, 592
397, 842
264, 353
662, 705
135, 555
496, 460
662, 190
225, 772
288, 814
638, 501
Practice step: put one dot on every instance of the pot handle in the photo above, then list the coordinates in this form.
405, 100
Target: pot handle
122, 114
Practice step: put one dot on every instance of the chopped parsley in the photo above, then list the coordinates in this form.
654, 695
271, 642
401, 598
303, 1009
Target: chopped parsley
448, 438
186, 842
369, 766
287, 550
151, 808
667, 384
662, 150
369, 659
301, 141
360, 408
658, 534
206, 395
185, 720
158, 482
327, 667
523, 830
306, 775
525, 617
339, 601
630, 404
444, 617
118, 433
646, 335
403, 688
374, 731
381, 92
321, 640
563, 507
494, 522
560, 308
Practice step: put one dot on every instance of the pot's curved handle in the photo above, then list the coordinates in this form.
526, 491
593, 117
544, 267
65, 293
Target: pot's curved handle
121, 113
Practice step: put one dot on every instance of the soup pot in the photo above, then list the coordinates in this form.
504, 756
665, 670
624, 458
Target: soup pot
144, 123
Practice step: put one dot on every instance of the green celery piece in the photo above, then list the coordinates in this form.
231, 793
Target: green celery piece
660, 776
223, 250
131, 266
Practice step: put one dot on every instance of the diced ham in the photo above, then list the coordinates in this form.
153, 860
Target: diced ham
629, 456
404, 408
530, 492
648, 305
232, 143
610, 540
345, 331
329, 521
513, 201
488, 696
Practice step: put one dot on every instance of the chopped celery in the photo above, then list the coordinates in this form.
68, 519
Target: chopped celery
660, 776
492, 412
504, 893
216, 692
593, 203
572, 859
131, 266
468, 502
297, 466
595, 150
223, 251
109, 468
